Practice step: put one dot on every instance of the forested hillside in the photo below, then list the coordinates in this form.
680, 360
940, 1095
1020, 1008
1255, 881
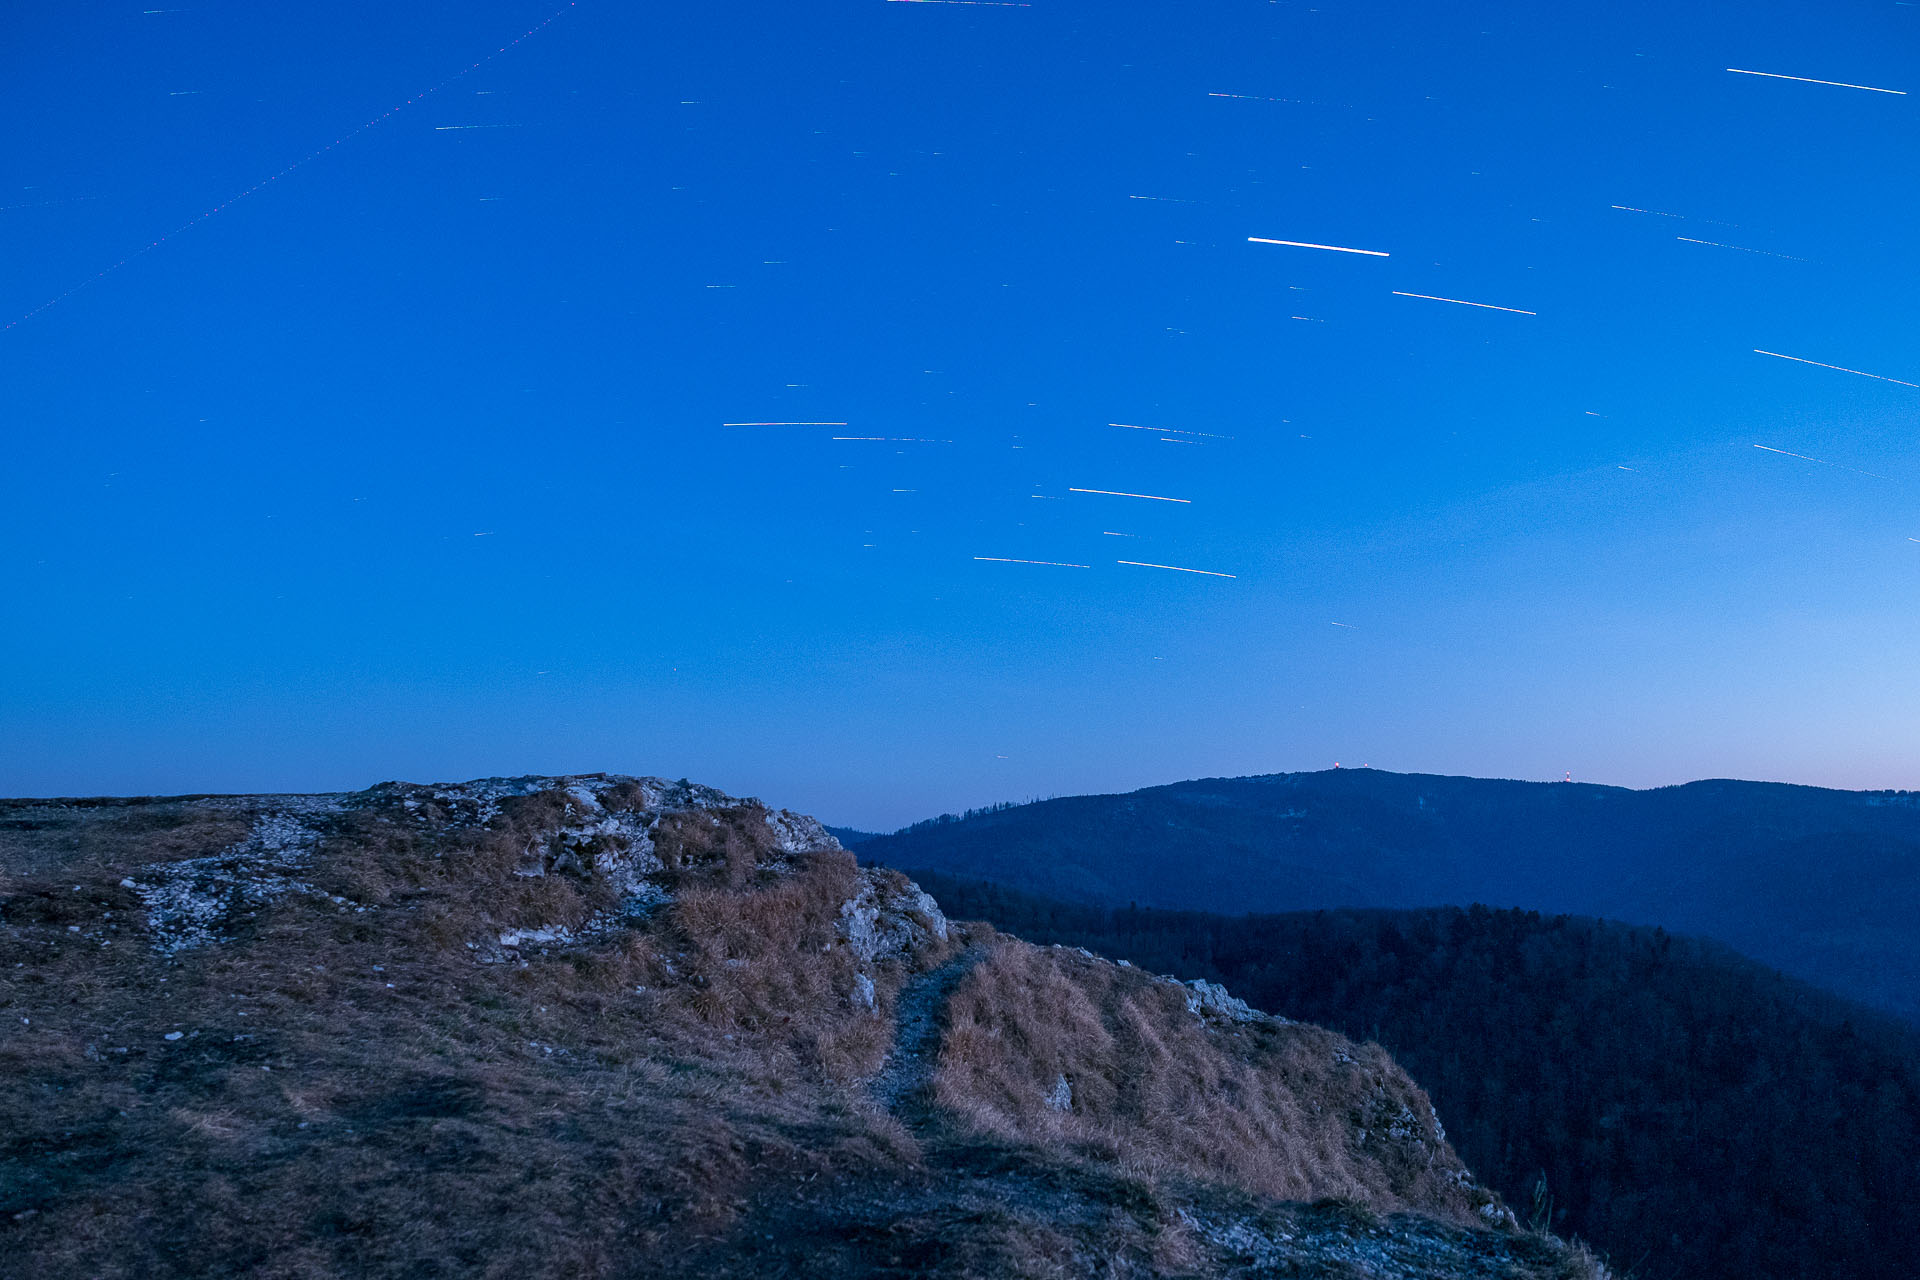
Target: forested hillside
1688, 1111
1822, 884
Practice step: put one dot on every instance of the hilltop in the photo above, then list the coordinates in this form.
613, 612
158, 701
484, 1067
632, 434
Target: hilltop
598, 1025
1824, 885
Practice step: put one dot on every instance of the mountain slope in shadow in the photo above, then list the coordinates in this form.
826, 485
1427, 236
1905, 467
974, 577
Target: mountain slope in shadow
1822, 884
1689, 1111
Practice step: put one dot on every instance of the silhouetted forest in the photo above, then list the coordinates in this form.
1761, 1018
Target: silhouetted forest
1690, 1112
1822, 884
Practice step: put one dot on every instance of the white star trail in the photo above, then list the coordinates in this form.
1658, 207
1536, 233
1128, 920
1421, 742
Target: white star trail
1765, 253
1679, 217
1177, 568
1836, 368
1823, 462
1255, 97
1838, 84
1462, 302
1052, 564
1330, 248
1168, 431
785, 424
1115, 493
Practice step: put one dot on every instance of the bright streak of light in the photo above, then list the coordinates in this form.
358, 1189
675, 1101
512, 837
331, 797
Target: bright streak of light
1662, 213
1254, 97
1115, 493
890, 439
272, 178
1742, 248
1838, 84
1835, 367
1176, 568
1052, 564
450, 128
1162, 199
1823, 462
991, 4
1168, 431
1462, 302
1348, 625
785, 424
1330, 248
1108, 533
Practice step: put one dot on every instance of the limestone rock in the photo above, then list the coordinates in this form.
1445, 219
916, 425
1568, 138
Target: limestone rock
890, 917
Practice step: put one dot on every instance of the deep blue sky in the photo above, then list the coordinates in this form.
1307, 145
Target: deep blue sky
410, 463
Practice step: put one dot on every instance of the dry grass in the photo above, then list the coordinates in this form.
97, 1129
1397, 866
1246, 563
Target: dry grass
54, 840
352, 1093
1289, 1111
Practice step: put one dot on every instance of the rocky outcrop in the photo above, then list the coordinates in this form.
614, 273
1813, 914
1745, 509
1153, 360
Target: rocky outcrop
889, 917
197, 901
1210, 1002
701, 1040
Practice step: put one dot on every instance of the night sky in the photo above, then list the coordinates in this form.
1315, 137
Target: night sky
360, 442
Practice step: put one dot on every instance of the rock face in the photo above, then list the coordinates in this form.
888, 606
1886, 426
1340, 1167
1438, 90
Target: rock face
676, 1033
607, 822
889, 917
190, 903
1210, 1001
604, 831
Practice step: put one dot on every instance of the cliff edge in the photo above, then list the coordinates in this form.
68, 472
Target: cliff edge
601, 1025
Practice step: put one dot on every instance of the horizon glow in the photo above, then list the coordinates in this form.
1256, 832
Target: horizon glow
427, 391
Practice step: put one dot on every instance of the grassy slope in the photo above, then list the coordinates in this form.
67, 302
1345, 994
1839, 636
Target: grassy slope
350, 1090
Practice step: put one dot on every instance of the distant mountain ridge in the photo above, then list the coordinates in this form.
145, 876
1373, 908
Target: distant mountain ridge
1822, 884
